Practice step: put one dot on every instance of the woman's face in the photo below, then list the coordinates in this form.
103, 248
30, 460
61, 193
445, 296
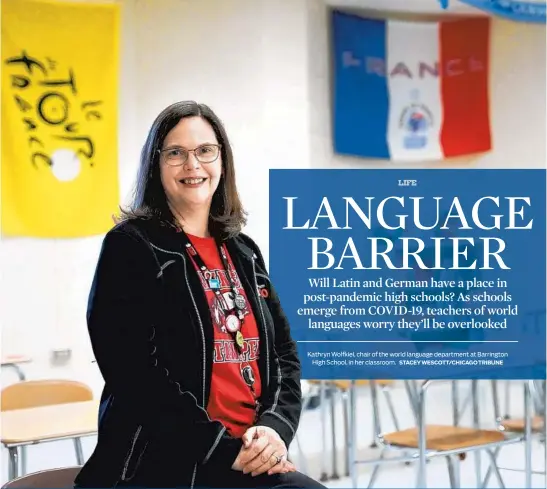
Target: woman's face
191, 185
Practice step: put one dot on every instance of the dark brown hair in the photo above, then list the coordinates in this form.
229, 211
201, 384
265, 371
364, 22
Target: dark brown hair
227, 216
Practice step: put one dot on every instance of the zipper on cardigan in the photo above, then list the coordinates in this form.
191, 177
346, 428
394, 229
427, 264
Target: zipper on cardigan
263, 324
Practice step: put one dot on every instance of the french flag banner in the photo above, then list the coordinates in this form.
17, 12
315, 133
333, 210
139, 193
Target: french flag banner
411, 91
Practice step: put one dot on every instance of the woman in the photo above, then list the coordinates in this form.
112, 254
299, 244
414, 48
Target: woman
202, 377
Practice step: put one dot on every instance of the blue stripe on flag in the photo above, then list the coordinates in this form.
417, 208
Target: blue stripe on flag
361, 101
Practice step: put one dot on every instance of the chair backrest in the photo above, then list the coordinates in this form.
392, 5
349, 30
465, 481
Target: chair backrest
46, 479
36, 393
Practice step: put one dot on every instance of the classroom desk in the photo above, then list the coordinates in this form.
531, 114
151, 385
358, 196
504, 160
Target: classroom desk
13, 361
23, 427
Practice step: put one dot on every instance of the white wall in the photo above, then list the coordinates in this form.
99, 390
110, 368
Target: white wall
263, 66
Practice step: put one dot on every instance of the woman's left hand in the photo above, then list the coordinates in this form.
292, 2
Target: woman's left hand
282, 468
272, 459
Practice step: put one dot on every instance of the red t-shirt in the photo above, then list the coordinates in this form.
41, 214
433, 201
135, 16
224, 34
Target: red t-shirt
231, 400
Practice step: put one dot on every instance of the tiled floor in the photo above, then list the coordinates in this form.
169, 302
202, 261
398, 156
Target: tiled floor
395, 475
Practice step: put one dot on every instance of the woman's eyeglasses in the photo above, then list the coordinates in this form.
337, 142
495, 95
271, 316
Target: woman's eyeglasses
176, 156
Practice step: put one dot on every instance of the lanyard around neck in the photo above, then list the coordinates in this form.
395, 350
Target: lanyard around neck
234, 317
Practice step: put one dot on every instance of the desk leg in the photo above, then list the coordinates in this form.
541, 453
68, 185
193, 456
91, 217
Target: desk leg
13, 468
23, 460
79, 451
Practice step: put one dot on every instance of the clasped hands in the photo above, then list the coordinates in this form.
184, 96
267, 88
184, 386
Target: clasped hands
261, 450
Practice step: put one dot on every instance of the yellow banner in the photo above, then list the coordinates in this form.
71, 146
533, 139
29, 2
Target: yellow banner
59, 117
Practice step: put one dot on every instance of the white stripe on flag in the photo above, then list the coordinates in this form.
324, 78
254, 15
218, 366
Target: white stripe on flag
413, 48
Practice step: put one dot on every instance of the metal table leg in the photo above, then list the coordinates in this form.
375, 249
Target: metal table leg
79, 451
13, 468
23, 461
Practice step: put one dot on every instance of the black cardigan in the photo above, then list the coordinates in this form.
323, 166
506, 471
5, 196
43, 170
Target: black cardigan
152, 336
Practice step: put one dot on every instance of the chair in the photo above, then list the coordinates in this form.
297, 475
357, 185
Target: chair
62, 478
37, 393
450, 441
534, 427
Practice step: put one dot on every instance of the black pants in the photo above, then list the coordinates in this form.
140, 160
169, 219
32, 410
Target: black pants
231, 478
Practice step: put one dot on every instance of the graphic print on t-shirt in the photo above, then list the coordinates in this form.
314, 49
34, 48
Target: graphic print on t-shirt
226, 352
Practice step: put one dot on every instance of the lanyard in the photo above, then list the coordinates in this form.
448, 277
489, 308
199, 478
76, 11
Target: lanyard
234, 316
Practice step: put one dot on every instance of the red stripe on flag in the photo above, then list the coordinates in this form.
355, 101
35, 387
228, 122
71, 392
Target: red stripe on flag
464, 58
